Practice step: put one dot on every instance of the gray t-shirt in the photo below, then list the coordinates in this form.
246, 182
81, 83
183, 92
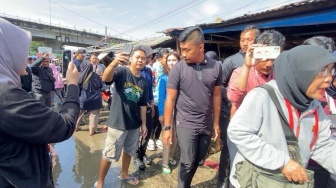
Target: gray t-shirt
195, 85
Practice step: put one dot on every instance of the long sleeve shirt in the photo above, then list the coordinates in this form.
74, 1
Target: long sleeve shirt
43, 79
259, 137
162, 85
236, 95
147, 73
26, 127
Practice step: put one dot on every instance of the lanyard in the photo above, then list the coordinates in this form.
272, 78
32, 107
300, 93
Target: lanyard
291, 123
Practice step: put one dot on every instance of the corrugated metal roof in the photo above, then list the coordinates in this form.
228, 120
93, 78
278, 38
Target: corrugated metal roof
151, 42
283, 11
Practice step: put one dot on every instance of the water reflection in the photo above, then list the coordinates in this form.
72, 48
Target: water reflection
78, 163
86, 166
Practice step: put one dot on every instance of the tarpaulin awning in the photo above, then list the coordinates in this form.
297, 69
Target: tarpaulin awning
313, 18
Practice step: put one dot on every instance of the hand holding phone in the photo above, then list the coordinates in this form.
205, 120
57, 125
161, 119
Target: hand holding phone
120, 58
127, 49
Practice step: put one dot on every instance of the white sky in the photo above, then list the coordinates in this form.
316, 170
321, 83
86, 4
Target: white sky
133, 19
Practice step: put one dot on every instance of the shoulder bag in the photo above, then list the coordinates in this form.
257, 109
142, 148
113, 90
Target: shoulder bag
252, 176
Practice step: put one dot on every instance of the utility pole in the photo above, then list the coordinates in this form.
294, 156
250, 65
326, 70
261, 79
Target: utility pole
105, 36
49, 15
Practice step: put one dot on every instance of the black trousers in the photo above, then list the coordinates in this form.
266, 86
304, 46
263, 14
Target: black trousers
224, 160
144, 141
321, 176
156, 125
194, 144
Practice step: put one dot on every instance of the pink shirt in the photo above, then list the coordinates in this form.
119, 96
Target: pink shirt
235, 95
58, 80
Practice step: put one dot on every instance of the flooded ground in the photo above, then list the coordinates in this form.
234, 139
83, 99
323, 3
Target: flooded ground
79, 159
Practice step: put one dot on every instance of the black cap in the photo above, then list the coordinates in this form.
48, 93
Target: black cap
81, 51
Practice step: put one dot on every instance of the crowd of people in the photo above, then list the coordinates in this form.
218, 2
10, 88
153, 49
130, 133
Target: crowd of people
269, 116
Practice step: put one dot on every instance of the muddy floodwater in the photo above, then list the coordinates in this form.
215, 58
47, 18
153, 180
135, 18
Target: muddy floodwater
79, 158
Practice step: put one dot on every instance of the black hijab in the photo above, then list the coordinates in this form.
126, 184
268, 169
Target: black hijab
86, 69
295, 69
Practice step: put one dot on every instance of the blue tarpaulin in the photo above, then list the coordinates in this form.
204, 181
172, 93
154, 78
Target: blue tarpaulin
314, 18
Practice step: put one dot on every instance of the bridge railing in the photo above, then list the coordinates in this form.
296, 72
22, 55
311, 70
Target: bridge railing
39, 21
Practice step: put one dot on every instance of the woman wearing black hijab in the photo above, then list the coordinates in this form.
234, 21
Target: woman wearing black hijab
301, 76
90, 98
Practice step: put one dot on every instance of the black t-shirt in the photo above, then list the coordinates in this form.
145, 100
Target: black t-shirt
195, 85
129, 93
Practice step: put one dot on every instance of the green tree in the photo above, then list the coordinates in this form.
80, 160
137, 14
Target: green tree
33, 47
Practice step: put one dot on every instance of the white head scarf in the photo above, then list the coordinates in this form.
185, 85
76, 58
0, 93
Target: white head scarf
14, 48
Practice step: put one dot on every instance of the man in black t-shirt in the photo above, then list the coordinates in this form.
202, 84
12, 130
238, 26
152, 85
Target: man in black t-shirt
194, 91
26, 80
43, 84
127, 115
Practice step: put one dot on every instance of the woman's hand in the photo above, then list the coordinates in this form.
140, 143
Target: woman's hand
72, 74
294, 172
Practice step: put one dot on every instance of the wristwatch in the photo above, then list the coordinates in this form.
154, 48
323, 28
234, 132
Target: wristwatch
166, 127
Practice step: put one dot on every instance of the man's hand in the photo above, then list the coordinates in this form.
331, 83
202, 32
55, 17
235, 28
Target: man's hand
143, 130
46, 55
249, 60
53, 156
72, 74
167, 137
294, 172
119, 58
216, 131
161, 120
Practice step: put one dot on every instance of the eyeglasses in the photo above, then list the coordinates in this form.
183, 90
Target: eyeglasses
324, 72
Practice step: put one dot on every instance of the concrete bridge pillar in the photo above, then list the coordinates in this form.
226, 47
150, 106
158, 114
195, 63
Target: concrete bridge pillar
55, 45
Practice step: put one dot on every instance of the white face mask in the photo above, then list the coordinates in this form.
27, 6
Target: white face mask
28, 65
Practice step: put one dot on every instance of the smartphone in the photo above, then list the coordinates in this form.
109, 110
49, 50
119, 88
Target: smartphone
127, 48
266, 52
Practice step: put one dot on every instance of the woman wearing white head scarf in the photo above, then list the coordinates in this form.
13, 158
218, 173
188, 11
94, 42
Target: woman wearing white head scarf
27, 126
301, 76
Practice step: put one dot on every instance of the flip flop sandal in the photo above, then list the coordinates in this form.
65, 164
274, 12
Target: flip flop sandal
131, 180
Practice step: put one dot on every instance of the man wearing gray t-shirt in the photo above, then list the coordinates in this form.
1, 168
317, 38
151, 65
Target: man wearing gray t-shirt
194, 92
